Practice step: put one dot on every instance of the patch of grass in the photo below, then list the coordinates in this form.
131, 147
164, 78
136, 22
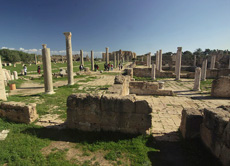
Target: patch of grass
206, 85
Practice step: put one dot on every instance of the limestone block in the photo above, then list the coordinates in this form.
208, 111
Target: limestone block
220, 87
190, 123
119, 79
108, 112
18, 112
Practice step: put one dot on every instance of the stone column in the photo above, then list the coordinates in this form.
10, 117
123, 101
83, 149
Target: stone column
107, 55
114, 60
69, 57
2, 84
229, 63
35, 59
48, 79
81, 57
197, 79
194, 63
15, 75
178, 62
92, 61
153, 71
160, 60
213, 61
150, 59
204, 70
157, 60
118, 59
142, 58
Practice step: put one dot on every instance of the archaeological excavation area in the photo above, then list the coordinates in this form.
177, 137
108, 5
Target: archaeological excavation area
119, 109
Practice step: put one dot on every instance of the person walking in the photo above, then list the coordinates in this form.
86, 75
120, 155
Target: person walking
119, 66
25, 70
111, 67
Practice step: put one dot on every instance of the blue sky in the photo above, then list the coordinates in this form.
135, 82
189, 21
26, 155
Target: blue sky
137, 25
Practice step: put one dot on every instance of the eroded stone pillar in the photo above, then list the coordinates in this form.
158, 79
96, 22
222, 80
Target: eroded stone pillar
160, 60
194, 63
15, 75
142, 58
153, 72
114, 60
118, 59
92, 61
81, 57
35, 59
47, 70
178, 63
107, 55
157, 60
197, 79
69, 57
229, 63
204, 70
2, 84
213, 61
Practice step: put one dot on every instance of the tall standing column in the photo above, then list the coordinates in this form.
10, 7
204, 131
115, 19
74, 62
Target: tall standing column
197, 79
69, 57
149, 55
118, 59
142, 58
107, 55
178, 63
81, 57
35, 59
204, 70
160, 60
2, 84
157, 60
194, 63
153, 71
229, 63
114, 59
213, 61
92, 61
48, 79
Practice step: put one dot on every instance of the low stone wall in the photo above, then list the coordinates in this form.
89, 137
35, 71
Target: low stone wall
147, 88
215, 73
108, 113
221, 87
213, 127
18, 112
129, 72
142, 72
120, 86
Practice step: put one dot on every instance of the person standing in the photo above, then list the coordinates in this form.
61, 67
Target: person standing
25, 70
39, 70
111, 67
119, 66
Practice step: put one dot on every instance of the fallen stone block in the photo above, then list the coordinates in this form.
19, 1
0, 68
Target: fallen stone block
18, 112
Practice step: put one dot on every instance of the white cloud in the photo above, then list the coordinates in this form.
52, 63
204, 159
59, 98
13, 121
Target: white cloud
11, 48
4, 47
21, 49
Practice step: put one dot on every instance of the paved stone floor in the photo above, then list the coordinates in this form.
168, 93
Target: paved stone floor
167, 109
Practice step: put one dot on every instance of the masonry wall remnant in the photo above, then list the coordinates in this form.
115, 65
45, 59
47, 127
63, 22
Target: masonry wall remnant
221, 87
108, 112
19, 112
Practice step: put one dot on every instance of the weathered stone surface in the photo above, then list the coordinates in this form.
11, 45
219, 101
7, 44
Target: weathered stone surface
190, 123
129, 72
3, 134
2, 83
220, 87
18, 112
215, 133
108, 112
147, 88
119, 79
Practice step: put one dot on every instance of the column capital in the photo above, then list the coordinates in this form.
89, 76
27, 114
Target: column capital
44, 45
179, 48
67, 34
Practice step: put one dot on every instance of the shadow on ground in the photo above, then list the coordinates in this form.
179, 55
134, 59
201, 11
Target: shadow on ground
180, 153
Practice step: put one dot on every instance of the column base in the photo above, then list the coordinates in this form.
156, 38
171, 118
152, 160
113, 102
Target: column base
71, 83
196, 90
50, 93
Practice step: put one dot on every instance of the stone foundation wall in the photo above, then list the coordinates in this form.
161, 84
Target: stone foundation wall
213, 127
108, 113
221, 87
120, 86
142, 72
215, 73
18, 112
147, 88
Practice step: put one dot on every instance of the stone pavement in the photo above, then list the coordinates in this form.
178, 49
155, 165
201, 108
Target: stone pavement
166, 115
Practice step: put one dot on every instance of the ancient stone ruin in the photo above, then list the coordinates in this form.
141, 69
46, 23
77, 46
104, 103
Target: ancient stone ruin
18, 112
108, 113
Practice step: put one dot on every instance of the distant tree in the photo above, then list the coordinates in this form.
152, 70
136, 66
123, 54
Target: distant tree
13, 57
